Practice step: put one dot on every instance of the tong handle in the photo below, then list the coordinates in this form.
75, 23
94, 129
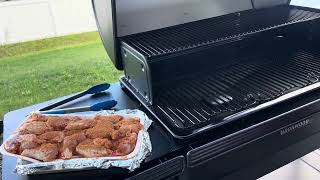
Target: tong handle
106, 105
93, 90
62, 102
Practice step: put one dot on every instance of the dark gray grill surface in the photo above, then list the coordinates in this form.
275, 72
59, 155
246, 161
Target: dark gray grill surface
210, 31
211, 97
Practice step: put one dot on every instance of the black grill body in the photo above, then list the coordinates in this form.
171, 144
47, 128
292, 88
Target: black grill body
197, 76
202, 74
237, 93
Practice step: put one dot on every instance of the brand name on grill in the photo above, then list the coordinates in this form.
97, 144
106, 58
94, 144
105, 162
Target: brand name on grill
295, 127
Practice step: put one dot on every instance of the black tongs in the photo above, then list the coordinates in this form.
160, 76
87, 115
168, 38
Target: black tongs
93, 90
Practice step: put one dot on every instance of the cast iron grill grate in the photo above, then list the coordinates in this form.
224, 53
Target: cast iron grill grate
210, 98
214, 30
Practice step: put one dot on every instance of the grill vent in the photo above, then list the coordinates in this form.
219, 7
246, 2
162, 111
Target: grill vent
214, 30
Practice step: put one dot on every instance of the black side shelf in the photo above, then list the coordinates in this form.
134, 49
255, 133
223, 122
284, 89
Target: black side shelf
167, 170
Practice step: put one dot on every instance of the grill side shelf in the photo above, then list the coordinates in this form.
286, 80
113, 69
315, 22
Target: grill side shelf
169, 169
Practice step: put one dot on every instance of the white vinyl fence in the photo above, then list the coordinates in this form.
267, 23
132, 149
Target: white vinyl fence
24, 20
307, 3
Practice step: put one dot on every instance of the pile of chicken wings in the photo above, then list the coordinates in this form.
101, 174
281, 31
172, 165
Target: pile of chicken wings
48, 138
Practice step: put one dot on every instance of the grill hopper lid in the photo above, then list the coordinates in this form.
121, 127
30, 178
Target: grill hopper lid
119, 18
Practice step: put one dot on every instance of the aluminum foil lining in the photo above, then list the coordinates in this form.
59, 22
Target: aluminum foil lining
27, 168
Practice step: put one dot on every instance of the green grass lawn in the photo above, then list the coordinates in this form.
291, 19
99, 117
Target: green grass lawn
37, 71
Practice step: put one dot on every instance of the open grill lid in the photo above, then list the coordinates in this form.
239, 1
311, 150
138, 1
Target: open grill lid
119, 18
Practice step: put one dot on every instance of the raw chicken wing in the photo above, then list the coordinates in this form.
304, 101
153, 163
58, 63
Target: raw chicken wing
133, 123
87, 142
29, 141
37, 117
126, 127
103, 142
71, 132
80, 124
45, 152
125, 145
57, 123
34, 127
99, 132
100, 119
70, 143
53, 136
93, 151
12, 145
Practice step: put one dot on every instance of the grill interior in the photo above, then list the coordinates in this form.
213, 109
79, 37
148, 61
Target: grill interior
214, 30
210, 97
208, 72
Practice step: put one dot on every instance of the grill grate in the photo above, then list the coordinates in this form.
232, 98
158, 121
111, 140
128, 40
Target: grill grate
212, 97
209, 31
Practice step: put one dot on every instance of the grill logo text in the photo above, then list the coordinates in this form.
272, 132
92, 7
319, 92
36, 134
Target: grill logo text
295, 127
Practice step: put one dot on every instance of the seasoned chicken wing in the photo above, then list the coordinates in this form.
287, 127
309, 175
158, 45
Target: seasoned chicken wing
37, 117
126, 127
71, 132
22, 142
103, 142
12, 145
102, 119
29, 141
57, 123
45, 152
118, 134
53, 136
34, 127
104, 124
87, 142
132, 122
98, 141
68, 148
80, 124
125, 145
70, 143
93, 151
99, 132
